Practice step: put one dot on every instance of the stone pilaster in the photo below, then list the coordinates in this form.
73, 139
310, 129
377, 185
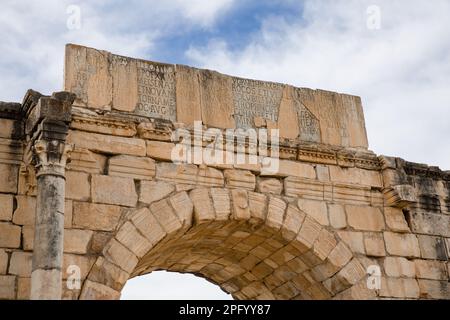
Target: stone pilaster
46, 128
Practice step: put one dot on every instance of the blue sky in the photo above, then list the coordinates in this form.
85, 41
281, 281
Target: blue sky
401, 70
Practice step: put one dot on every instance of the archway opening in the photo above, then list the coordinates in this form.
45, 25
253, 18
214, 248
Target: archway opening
266, 248
162, 285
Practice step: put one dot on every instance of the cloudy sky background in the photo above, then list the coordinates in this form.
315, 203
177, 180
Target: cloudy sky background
401, 71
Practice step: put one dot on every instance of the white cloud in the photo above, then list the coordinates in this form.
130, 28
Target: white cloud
34, 33
204, 12
402, 71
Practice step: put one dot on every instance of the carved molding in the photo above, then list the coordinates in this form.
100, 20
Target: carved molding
400, 196
161, 130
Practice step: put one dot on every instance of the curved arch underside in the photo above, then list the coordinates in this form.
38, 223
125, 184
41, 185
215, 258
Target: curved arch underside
252, 245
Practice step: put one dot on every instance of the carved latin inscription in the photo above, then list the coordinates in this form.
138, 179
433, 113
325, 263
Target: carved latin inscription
156, 90
308, 123
254, 98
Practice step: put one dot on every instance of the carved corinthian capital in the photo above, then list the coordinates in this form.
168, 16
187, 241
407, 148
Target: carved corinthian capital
51, 157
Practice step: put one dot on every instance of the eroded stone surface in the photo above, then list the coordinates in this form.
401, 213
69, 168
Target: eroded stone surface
309, 230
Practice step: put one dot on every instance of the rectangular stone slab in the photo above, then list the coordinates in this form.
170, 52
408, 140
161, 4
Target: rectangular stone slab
183, 94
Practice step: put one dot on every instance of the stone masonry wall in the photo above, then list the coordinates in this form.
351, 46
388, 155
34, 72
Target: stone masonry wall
111, 175
309, 231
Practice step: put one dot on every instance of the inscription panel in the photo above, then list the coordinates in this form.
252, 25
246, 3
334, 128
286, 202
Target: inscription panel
156, 90
309, 126
253, 98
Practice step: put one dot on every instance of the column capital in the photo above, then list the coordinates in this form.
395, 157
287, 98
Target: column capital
46, 127
51, 156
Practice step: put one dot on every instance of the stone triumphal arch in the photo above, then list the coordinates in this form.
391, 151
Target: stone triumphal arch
90, 194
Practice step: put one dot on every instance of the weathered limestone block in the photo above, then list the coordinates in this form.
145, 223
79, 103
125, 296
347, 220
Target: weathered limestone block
210, 177
292, 222
315, 209
96, 291
271, 186
340, 255
400, 196
203, 207
431, 270
147, 224
431, 289
95, 216
165, 216
160, 150
433, 247
131, 238
84, 160
7, 287
99, 240
399, 267
241, 210
78, 186
183, 207
141, 168
247, 164
23, 288
322, 172
374, 244
120, 255
221, 202
68, 213
9, 235
324, 244
287, 116
365, 218
77, 240
10, 176
124, 83
114, 190
151, 191
3, 261
337, 216
306, 188
6, 207
27, 237
405, 245
188, 95
289, 168
180, 174
432, 224
11, 151
86, 73
84, 262
8, 128
309, 232
354, 240
349, 275
399, 288
258, 206
344, 111
20, 264
107, 143
275, 212
109, 274
25, 211
90, 121
356, 176
216, 99
240, 179
395, 220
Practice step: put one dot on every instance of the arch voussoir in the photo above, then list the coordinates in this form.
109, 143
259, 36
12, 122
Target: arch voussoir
253, 245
